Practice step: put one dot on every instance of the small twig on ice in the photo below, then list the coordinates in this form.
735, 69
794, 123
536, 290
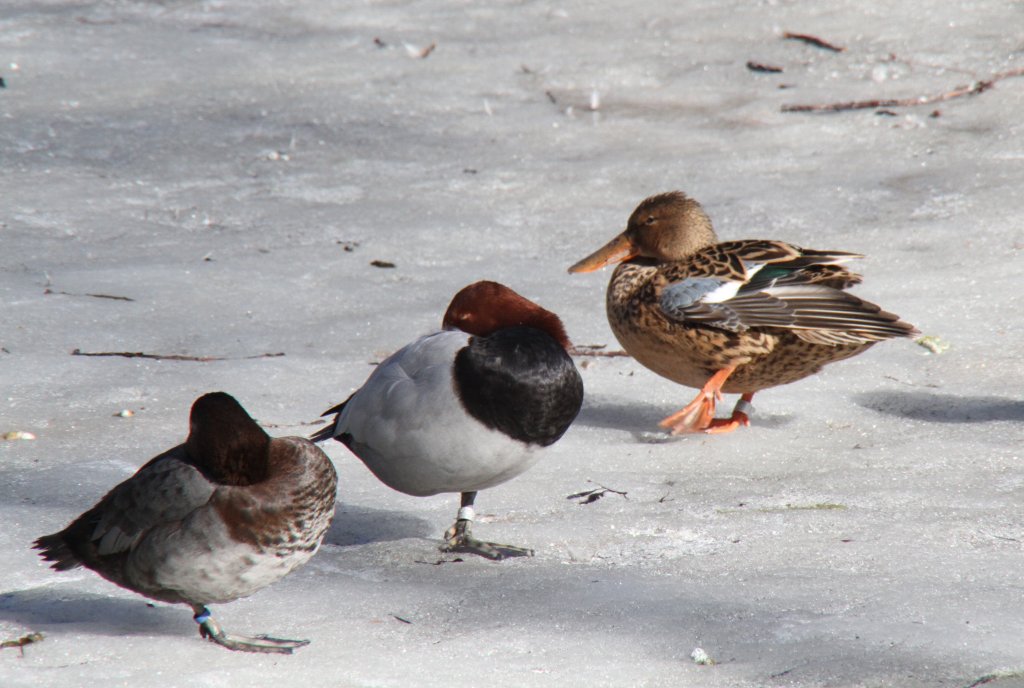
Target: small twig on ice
813, 40
95, 296
170, 357
591, 496
761, 67
995, 676
971, 89
1006, 538
594, 350
439, 562
958, 92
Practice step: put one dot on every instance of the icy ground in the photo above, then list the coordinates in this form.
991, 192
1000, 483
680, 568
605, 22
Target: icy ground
234, 167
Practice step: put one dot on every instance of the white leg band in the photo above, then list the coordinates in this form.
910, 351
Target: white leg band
466, 513
745, 407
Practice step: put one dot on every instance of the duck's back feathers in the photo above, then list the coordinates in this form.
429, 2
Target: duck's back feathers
734, 260
166, 489
740, 285
828, 275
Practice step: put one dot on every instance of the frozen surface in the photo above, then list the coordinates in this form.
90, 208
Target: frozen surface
233, 168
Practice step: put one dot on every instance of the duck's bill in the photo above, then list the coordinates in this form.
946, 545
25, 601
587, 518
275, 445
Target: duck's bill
615, 251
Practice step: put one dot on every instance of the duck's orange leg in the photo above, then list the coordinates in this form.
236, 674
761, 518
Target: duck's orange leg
740, 416
699, 414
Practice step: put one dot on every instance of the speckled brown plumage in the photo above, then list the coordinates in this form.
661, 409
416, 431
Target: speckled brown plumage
737, 316
691, 353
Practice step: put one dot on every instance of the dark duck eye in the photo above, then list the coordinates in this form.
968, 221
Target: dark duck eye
650, 220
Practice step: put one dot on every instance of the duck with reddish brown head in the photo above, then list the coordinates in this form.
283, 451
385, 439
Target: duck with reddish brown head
465, 408
217, 518
736, 316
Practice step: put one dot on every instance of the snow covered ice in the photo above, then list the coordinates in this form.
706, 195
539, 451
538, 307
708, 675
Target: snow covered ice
231, 170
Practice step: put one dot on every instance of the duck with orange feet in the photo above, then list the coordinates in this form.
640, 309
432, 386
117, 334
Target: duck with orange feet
733, 316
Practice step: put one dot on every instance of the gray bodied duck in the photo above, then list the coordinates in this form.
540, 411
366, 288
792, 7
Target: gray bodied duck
226, 513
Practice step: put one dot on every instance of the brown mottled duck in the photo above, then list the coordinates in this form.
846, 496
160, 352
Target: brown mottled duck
733, 316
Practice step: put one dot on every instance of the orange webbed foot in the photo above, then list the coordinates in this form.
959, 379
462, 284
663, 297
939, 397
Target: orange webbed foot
740, 417
699, 414
694, 417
